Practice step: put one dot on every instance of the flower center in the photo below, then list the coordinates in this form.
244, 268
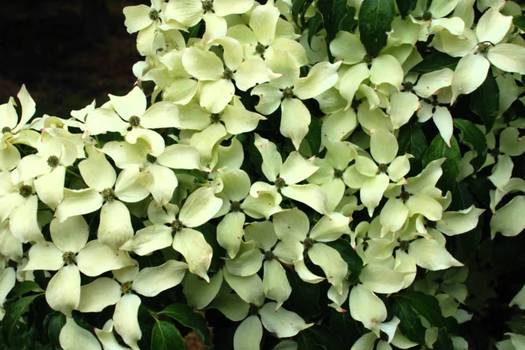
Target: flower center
268, 255
288, 92
126, 287
108, 195
403, 245
69, 258
307, 244
150, 158
6, 129
427, 16
235, 206
154, 15
176, 226
215, 118
228, 74
338, 173
404, 195
382, 168
207, 6
25, 191
134, 121
53, 161
260, 49
279, 182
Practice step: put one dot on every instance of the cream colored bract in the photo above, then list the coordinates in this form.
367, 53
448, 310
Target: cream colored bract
256, 158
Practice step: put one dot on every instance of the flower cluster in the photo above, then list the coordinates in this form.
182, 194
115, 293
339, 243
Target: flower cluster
253, 158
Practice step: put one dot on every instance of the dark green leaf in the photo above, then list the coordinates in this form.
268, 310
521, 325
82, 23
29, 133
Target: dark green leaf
519, 21
443, 341
183, 314
439, 149
406, 6
165, 336
337, 15
314, 25
410, 324
472, 136
461, 196
349, 255
54, 321
313, 138
319, 337
484, 101
375, 20
24, 287
14, 311
299, 8
412, 140
434, 61
425, 305
348, 22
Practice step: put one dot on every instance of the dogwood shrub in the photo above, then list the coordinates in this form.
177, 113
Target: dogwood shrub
283, 175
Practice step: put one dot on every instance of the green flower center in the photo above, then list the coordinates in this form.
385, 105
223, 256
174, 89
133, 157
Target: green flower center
408, 86
427, 16
403, 245
176, 226
404, 195
25, 191
338, 173
108, 195
154, 15
126, 287
207, 6
215, 118
6, 129
150, 158
134, 121
260, 49
484, 46
69, 258
307, 244
382, 168
288, 92
268, 255
53, 161
235, 206
228, 74
279, 182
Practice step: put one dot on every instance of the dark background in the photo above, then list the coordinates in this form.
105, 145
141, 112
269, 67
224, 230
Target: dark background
67, 52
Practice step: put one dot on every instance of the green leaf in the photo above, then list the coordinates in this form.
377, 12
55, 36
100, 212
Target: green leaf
484, 101
319, 337
13, 312
165, 336
299, 8
519, 21
410, 324
337, 15
375, 20
425, 305
349, 255
472, 136
443, 341
24, 287
183, 314
439, 149
313, 138
406, 6
314, 25
412, 140
434, 61
54, 323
